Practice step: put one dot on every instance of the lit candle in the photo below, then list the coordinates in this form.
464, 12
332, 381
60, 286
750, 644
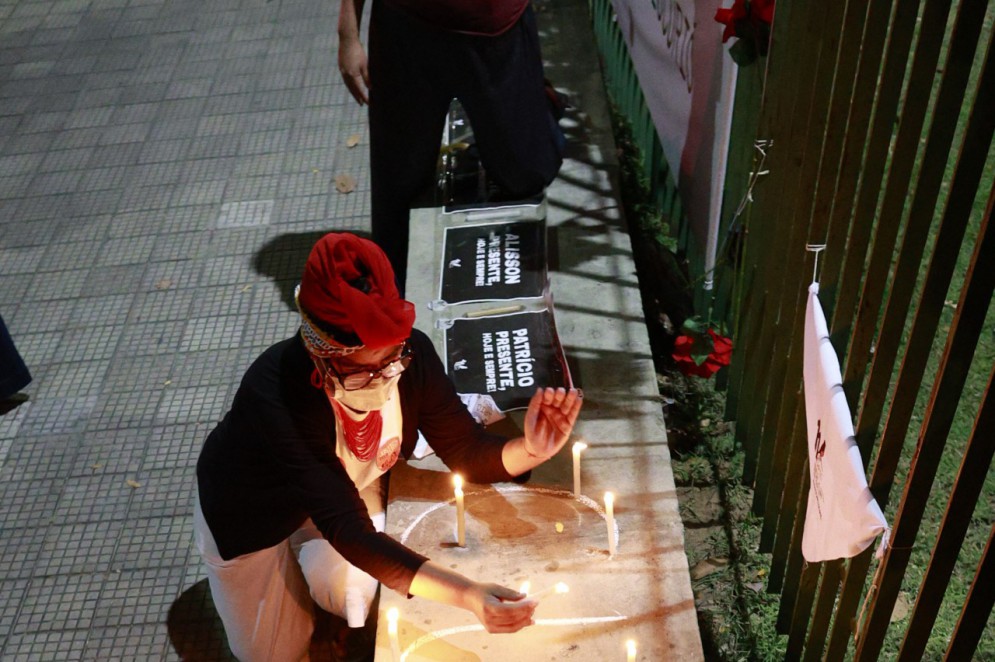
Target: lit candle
630, 648
610, 519
395, 646
460, 516
525, 588
560, 587
577, 448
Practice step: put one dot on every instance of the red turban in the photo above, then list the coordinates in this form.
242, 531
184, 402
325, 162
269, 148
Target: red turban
348, 289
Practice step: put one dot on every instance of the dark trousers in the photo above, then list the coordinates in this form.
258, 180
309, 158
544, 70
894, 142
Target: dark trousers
14, 374
415, 72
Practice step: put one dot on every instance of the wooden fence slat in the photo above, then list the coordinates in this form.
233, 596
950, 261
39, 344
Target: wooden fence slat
977, 139
967, 488
977, 607
932, 30
795, 565
948, 103
792, 500
837, 133
764, 231
802, 611
785, 273
965, 330
823, 614
876, 21
778, 433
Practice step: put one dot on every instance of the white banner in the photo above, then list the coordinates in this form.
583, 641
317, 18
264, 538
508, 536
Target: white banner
842, 518
688, 81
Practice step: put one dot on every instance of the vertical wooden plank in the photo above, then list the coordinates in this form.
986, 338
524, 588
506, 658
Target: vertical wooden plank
858, 124
967, 488
838, 132
795, 565
963, 46
792, 170
977, 608
776, 122
965, 330
779, 434
802, 611
816, 642
932, 32
793, 497
971, 160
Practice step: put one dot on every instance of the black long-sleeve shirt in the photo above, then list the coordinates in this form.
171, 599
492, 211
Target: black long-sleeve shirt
270, 463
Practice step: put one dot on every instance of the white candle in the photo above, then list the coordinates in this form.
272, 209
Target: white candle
395, 646
630, 648
460, 515
610, 520
577, 448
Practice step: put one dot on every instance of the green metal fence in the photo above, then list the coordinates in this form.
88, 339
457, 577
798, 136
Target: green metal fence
876, 119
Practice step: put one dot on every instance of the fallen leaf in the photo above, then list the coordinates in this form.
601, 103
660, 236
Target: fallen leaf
345, 184
314, 171
96, 465
352, 140
756, 587
705, 422
167, 382
246, 288
901, 610
761, 572
163, 284
559, 527
707, 567
134, 484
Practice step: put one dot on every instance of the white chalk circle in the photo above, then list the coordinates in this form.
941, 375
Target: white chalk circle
535, 533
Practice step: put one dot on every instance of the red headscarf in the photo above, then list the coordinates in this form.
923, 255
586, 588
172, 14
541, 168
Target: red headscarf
378, 317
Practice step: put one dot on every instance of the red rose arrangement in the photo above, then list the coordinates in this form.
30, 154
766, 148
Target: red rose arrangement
701, 351
749, 21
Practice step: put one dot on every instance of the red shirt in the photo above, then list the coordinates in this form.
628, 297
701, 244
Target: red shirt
480, 17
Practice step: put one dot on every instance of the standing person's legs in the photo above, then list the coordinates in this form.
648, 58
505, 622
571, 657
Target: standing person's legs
261, 597
408, 104
503, 91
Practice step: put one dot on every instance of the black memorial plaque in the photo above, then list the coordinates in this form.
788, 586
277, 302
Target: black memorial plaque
494, 261
506, 357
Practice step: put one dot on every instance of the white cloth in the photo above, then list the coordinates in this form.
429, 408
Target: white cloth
842, 518
266, 599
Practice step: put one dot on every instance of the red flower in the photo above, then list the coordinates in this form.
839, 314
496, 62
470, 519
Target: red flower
728, 17
689, 350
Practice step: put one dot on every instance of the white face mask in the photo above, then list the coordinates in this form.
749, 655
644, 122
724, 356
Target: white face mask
360, 402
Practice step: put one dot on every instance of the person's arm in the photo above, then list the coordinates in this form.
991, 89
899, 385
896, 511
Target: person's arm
549, 421
499, 609
352, 56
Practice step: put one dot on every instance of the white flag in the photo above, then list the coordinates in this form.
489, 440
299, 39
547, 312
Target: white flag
843, 518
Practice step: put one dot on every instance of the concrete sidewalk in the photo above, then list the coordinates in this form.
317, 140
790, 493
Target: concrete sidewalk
165, 167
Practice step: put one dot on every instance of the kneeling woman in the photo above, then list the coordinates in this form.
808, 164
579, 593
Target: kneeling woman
290, 512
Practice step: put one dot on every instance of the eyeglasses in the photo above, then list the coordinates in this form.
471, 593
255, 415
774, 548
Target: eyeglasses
353, 381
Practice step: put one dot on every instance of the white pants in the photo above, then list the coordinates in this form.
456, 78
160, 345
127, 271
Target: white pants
266, 599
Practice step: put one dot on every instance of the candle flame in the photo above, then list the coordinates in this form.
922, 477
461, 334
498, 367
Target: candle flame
458, 481
525, 587
630, 646
562, 588
392, 616
579, 446
609, 499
